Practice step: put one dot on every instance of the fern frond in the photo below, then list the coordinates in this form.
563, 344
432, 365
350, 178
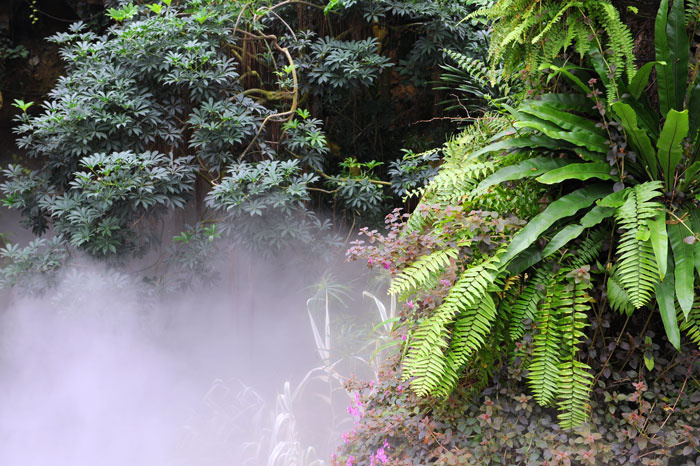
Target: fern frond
691, 325
424, 270
526, 305
468, 336
425, 364
587, 252
636, 266
618, 298
620, 40
574, 377
544, 368
692, 13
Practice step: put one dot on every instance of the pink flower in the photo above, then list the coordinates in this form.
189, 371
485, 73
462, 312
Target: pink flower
387, 264
350, 461
410, 304
403, 337
399, 388
370, 262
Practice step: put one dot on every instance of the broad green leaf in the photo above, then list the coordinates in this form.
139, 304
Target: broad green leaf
664, 73
594, 216
577, 171
659, 241
585, 139
563, 207
684, 263
667, 307
572, 102
679, 51
670, 144
637, 137
641, 79
527, 168
615, 199
555, 113
529, 141
525, 260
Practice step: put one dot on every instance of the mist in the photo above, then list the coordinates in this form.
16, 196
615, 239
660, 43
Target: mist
99, 372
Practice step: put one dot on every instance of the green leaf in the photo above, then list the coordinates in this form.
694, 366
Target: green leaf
563, 207
636, 136
690, 176
568, 75
590, 141
694, 109
531, 141
670, 144
679, 50
667, 308
659, 241
594, 216
641, 79
615, 199
684, 264
527, 168
664, 73
558, 114
577, 171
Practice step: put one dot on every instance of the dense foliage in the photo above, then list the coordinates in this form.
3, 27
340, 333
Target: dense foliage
544, 245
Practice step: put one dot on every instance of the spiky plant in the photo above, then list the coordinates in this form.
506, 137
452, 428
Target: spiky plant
621, 172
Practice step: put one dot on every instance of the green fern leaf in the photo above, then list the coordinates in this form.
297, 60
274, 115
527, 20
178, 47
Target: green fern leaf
544, 368
425, 364
423, 271
636, 265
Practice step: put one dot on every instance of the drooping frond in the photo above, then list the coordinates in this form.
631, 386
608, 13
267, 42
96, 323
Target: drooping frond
574, 376
468, 335
544, 368
620, 41
636, 266
426, 363
526, 305
618, 298
423, 271
529, 33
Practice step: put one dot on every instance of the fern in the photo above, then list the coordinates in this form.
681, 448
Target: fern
692, 13
574, 376
468, 336
618, 298
426, 364
525, 306
587, 252
458, 175
636, 266
691, 325
544, 368
424, 270
533, 32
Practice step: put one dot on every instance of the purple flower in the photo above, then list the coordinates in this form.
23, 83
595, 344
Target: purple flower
387, 264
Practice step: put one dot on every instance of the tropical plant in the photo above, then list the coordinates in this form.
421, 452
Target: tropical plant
646, 190
527, 33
